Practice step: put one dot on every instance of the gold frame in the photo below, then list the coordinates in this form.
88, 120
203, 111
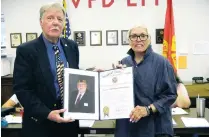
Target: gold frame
31, 36
15, 39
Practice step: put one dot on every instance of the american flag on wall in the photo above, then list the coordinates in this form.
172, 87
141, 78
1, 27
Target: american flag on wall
66, 31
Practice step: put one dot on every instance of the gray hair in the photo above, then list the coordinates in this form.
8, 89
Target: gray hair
140, 26
44, 8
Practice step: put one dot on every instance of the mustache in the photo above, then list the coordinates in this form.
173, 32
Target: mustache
55, 28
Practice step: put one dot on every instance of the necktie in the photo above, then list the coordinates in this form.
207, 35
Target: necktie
60, 71
78, 99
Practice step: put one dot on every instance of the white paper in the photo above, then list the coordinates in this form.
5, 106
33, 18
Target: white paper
112, 37
96, 38
174, 122
184, 50
13, 119
195, 122
201, 48
116, 93
178, 111
125, 37
86, 123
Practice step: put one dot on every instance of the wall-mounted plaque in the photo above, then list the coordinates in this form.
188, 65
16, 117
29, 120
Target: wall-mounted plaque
96, 38
112, 37
159, 36
124, 37
80, 37
31, 36
15, 39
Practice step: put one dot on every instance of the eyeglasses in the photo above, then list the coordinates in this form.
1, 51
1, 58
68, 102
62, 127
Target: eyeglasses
135, 37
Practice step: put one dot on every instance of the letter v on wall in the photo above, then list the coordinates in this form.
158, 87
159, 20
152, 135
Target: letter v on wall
76, 3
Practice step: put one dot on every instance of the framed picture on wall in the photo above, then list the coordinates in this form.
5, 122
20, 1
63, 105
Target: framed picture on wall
124, 37
159, 36
31, 36
80, 38
15, 39
112, 37
96, 38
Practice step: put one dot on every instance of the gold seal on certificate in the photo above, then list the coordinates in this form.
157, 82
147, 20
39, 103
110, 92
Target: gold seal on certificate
106, 111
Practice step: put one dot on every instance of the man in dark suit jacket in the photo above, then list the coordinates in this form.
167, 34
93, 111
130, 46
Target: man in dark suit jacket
35, 77
82, 100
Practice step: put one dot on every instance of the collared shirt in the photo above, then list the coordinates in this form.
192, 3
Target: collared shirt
154, 83
51, 57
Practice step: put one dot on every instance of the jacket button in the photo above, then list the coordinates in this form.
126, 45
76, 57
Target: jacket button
55, 105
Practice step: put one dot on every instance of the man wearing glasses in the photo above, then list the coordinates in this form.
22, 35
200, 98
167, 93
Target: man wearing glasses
154, 90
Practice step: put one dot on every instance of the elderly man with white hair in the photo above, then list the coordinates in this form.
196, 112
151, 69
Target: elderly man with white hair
38, 77
154, 89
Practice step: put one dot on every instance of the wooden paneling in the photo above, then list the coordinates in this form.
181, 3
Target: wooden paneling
6, 88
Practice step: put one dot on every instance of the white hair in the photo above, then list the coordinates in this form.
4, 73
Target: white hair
138, 26
44, 8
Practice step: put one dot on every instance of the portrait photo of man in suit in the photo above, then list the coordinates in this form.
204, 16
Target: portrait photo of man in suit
82, 100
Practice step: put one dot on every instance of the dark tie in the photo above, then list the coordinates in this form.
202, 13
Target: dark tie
60, 71
78, 99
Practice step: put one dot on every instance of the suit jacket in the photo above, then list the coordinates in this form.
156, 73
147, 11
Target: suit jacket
33, 83
85, 105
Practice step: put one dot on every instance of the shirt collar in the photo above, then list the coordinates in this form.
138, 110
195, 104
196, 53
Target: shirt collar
47, 42
80, 93
147, 52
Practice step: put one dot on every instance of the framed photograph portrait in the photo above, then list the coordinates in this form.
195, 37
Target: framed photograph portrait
31, 36
112, 37
124, 37
80, 37
96, 38
81, 94
15, 39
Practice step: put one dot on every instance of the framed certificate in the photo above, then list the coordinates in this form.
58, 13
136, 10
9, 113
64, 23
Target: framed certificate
87, 94
80, 38
96, 38
124, 37
112, 37
15, 39
31, 36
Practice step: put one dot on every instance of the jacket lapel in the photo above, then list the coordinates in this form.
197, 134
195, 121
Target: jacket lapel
45, 65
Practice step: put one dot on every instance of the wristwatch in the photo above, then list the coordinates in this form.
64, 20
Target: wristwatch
150, 110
